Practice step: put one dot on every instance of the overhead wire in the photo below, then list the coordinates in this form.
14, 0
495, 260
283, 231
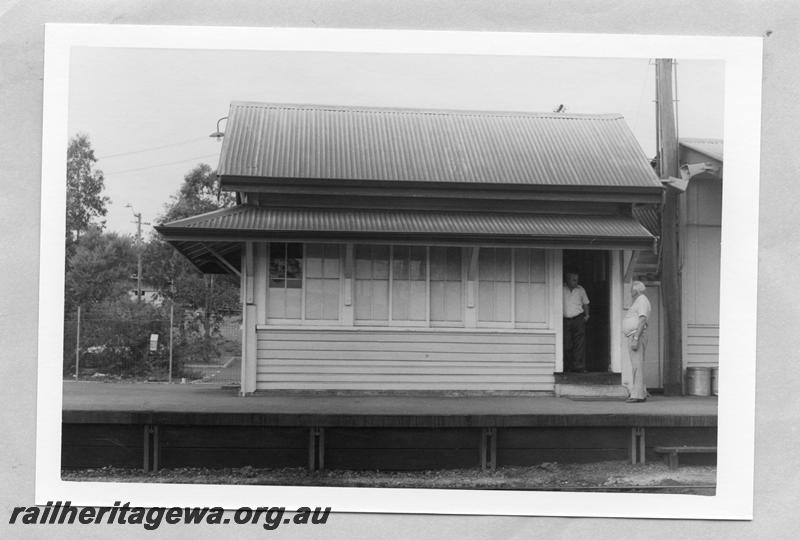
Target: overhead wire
142, 150
158, 165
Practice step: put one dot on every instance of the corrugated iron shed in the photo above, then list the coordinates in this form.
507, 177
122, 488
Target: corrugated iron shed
282, 141
713, 148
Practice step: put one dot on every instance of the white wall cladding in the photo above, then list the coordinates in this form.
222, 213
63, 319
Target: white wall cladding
354, 359
702, 345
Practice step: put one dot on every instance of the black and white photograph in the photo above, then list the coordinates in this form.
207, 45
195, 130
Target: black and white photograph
428, 273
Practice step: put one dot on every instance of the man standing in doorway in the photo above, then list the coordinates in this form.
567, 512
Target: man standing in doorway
576, 315
634, 326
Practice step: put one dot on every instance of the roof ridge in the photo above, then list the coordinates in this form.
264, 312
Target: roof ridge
420, 110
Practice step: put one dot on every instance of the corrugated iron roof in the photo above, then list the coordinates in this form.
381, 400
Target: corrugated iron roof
284, 141
649, 215
245, 220
713, 148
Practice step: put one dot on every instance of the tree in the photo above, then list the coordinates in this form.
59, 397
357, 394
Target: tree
99, 269
173, 275
85, 184
199, 193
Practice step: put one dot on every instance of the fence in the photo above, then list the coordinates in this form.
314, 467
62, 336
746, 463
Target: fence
192, 349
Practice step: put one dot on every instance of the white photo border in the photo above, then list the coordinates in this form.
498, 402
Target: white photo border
734, 492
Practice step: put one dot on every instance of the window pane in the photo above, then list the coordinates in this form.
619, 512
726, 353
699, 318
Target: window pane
285, 280
293, 299
294, 267
486, 266
331, 263
363, 300
314, 299
399, 262
314, 260
277, 260
363, 257
322, 282
454, 264
446, 287
330, 305
372, 283
438, 263
400, 300
438, 308
276, 304
537, 266
503, 262
416, 264
494, 287
522, 265
502, 305
417, 302
486, 300
380, 300
452, 301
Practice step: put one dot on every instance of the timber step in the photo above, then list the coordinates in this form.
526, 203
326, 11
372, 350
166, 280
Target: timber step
590, 378
592, 392
671, 453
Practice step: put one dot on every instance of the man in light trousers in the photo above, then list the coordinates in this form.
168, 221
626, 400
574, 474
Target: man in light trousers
634, 326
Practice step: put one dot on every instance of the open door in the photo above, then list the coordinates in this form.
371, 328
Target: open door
592, 267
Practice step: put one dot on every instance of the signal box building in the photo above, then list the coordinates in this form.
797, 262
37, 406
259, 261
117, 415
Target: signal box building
398, 249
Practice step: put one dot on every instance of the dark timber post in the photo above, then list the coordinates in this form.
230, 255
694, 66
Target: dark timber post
670, 272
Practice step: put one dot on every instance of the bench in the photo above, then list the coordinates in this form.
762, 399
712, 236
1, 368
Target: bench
671, 452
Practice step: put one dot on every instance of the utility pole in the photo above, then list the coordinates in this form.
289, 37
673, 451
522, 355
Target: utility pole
670, 272
138, 216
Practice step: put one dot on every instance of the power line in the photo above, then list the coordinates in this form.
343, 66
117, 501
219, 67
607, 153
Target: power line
152, 148
159, 165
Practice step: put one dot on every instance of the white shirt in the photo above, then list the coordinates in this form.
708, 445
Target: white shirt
574, 301
639, 308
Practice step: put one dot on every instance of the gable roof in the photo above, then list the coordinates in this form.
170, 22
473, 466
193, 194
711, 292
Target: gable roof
321, 142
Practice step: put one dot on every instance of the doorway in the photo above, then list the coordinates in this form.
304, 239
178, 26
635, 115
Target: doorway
593, 268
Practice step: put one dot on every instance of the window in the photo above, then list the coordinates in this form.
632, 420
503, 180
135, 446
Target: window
530, 287
406, 286
285, 280
494, 285
372, 283
322, 282
409, 283
446, 285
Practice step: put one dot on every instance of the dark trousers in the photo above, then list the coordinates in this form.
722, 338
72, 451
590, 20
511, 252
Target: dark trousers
574, 343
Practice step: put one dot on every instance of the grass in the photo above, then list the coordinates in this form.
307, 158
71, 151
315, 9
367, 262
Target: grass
603, 476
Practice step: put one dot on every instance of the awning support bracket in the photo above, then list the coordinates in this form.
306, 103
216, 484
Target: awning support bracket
630, 264
222, 260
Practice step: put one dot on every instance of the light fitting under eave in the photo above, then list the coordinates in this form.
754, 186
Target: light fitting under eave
219, 134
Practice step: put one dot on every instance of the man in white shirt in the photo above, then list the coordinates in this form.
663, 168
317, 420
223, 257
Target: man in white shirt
634, 326
576, 314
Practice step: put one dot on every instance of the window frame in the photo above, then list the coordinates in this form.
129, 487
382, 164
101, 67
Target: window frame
468, 321
304, 289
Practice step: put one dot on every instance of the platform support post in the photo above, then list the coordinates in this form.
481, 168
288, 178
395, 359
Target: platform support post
637, 445
146, 453
316, 449
156, 445
488, 448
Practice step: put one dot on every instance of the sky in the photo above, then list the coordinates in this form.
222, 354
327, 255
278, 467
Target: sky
149, 112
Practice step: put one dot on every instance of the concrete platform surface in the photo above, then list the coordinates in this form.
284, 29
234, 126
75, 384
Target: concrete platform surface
199, 399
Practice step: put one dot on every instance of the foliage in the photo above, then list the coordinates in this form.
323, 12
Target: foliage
173, 275
99, 269
199, 193
85, 184
115, 338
